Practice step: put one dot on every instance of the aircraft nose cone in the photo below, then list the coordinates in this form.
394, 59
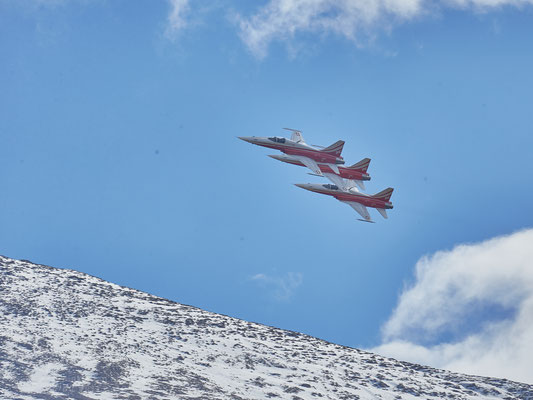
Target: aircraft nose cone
248, 139
302, 185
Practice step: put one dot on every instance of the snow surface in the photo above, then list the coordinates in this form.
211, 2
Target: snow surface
68, 335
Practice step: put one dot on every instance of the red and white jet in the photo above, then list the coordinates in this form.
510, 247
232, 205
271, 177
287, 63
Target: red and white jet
297, 148
355, 199
354, 175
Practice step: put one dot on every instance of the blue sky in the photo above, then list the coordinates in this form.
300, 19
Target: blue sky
118, 128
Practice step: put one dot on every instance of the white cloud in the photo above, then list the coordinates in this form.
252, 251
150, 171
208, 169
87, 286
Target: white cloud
283, 287
479, 295
356, 20
176, 19
185, 14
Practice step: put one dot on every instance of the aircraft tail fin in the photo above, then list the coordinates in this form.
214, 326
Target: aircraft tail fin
361, 165
384, 194
335, 148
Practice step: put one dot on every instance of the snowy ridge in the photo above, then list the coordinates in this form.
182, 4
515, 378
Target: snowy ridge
68, 335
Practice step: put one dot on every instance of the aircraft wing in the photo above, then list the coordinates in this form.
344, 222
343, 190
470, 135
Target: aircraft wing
361, 209
334, 168
354, 183
311, 164
337, 180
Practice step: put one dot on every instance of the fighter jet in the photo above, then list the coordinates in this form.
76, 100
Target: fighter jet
347, 178
355, 199
296, 147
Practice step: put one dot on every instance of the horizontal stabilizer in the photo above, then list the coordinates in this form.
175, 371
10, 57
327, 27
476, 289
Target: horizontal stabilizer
384, 194
335, 148
383, 212
365, 220
361, 165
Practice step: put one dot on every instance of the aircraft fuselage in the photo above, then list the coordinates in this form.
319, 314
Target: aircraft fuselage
344, 172
358, 197
287, 146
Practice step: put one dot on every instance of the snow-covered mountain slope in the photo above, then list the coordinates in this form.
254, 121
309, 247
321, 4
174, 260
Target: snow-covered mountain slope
68, 335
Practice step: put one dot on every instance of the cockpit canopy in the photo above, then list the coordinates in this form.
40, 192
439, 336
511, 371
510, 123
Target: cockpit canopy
331, 187
277, 139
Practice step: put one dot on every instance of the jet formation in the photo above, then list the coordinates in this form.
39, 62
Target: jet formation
327, 162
